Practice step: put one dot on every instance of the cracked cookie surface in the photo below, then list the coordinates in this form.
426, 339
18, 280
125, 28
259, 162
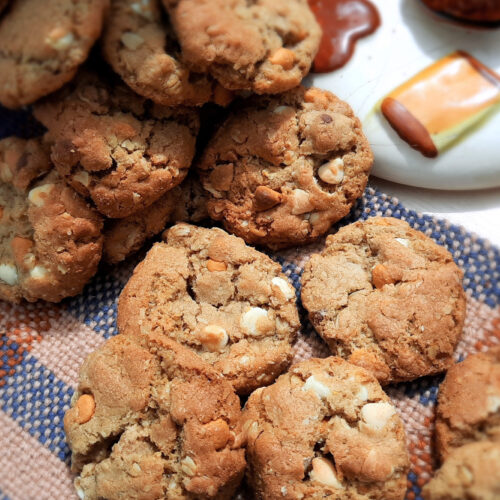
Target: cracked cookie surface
115, 147
136, 431
42, 44
264, 46
386, 297
184, 203
325, 429
471, 471
281, 170
224, 300
469, 403
142, 48
50, 239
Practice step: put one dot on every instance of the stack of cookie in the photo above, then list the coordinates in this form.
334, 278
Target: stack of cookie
279, 169
196, 111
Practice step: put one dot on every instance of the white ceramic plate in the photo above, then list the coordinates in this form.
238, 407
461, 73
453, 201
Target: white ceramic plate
410, 38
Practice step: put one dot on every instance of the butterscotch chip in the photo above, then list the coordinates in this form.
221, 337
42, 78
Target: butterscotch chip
241, 317
470, 471
184, 203
85, 407
51, 239
325, 429
59, 36
163, 409
266, 198
386, 297
116, 148
469, 403
151, 63
281, 170
264, 46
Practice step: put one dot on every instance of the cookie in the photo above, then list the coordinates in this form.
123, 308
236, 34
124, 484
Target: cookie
43, 44
227, 302
51, 239
325, 429
140, 45
265, 46
184, 203
281, 170
153, 422
386, 297
115, 147
470, 472
470, 10
469, 403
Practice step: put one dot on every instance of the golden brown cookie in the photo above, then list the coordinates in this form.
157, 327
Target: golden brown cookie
50, 237
469, 403
119, 149
155, 422
470, 472
265, 46
140, 45
42, 45
470, 10
386, 297
325, 429
281, 170
184, 203
226, 301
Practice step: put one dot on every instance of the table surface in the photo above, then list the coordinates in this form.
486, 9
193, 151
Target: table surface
477, 211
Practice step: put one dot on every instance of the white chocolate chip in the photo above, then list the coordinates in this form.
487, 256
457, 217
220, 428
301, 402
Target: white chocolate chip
8, 274
82, 177
143, 9
80, 493
323, 471
180, 230
493, 403
38, 195
188, 466
284, 287
362, 393
250, 320
284, 491
332, 172
403, 241
320, 389
213, 338
60, 40
38, 272
301, 202
280, 109
244, 360
315, 217
377, 415
131, 40
136, 469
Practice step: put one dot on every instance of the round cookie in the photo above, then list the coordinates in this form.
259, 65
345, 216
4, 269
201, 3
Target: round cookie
51, 239
43, 44
184, 203
469, 403
115, 147
470, 472
470, 10
281, 170
386, 297
141, 46
226, 301
264, 46
153, 422
325, 429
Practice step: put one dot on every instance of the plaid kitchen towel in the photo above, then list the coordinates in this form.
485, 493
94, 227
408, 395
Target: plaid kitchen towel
42, 347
